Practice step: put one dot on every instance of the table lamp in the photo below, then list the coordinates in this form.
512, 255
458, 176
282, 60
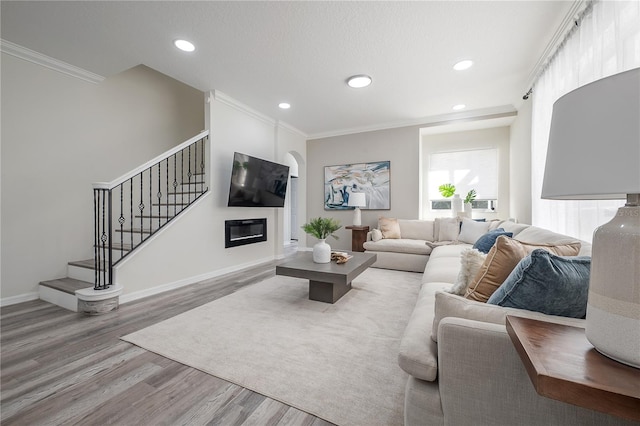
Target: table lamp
594, 154
357, 200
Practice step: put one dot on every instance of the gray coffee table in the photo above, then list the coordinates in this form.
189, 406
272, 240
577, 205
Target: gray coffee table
328, 282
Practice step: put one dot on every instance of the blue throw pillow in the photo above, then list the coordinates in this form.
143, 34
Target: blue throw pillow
544, 282
485, 242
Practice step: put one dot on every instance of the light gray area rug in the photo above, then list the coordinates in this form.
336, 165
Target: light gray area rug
337, 362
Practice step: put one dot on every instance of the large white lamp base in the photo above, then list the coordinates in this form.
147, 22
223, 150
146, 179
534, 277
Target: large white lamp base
357, 217
613, 308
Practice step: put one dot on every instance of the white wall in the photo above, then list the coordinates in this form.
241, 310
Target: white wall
192, 247
60, 134
520, 173
400, 146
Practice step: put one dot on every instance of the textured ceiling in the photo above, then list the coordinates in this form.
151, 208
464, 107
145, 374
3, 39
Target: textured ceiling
263, 53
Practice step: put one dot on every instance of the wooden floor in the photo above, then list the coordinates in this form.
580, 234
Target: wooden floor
62, 368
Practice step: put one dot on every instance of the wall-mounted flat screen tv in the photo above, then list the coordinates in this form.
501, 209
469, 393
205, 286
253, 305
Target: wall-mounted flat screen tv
257, 183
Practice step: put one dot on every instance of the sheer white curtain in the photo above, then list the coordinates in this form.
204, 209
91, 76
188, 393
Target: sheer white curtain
606, 42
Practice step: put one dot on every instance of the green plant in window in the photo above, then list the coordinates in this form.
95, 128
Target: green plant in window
447, 190
471, 196
322, 227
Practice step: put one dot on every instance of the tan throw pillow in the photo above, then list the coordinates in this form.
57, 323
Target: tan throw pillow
502, 259
389, 227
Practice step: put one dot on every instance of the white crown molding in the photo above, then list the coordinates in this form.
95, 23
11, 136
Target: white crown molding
48, 62
436, 120
228, 100
292, 129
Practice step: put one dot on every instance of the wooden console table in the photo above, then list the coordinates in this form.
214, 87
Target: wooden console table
563, 365
358, 236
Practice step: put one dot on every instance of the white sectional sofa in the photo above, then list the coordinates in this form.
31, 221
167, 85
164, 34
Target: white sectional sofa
463, 368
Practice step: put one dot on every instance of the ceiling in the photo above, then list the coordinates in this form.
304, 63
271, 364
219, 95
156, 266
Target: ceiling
263, 53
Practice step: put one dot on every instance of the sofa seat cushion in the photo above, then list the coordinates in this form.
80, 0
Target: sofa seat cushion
399, 245
444, 264
451, 250
418, 354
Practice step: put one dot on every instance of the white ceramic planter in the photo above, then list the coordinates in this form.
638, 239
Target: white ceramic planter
322, 252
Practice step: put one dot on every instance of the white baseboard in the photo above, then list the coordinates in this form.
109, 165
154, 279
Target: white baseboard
26, 297
130, 297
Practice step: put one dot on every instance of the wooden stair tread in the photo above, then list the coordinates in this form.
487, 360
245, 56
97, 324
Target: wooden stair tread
87, 264
67, 285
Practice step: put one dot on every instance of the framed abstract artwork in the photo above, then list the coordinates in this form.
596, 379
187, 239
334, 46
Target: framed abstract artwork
373, 179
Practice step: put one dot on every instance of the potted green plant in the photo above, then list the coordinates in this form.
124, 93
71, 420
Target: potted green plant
447, 190
321, 228
471, 196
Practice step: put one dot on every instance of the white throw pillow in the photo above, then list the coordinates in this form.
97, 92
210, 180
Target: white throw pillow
470, 262
472, 230
376, 235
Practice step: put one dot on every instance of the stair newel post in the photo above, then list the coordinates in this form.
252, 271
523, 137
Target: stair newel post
96, 237
109, 242
202, 142
102, 236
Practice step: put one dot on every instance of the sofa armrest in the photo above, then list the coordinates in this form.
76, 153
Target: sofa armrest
482, 380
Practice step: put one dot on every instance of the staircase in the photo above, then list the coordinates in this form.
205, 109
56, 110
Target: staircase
127, 211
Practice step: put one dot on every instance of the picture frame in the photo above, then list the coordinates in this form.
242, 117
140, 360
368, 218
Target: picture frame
374, 179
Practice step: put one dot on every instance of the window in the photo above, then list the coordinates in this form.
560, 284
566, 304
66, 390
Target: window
472, 169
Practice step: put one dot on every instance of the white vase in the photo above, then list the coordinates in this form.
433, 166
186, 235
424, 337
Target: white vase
456, 205
322, 252
468, 210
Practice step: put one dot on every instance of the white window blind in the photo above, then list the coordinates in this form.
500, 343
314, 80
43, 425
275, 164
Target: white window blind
473, 169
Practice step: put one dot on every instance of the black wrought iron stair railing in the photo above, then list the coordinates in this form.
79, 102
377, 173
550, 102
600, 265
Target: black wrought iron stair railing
130, 209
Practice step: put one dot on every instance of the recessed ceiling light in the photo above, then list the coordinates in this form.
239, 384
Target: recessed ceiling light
284, 105
358, 81
463, 65
184, 45
459, 107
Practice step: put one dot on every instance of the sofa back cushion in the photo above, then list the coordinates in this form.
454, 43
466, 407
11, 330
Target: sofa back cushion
416, 229
446, 229
451, 305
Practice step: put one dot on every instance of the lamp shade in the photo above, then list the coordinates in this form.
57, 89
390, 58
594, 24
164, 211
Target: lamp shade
594, 141
594, 153
357, 199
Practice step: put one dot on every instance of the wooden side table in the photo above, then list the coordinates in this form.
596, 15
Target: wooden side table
563, 365
358, 236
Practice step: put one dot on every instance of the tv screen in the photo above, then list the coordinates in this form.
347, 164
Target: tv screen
257, 183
